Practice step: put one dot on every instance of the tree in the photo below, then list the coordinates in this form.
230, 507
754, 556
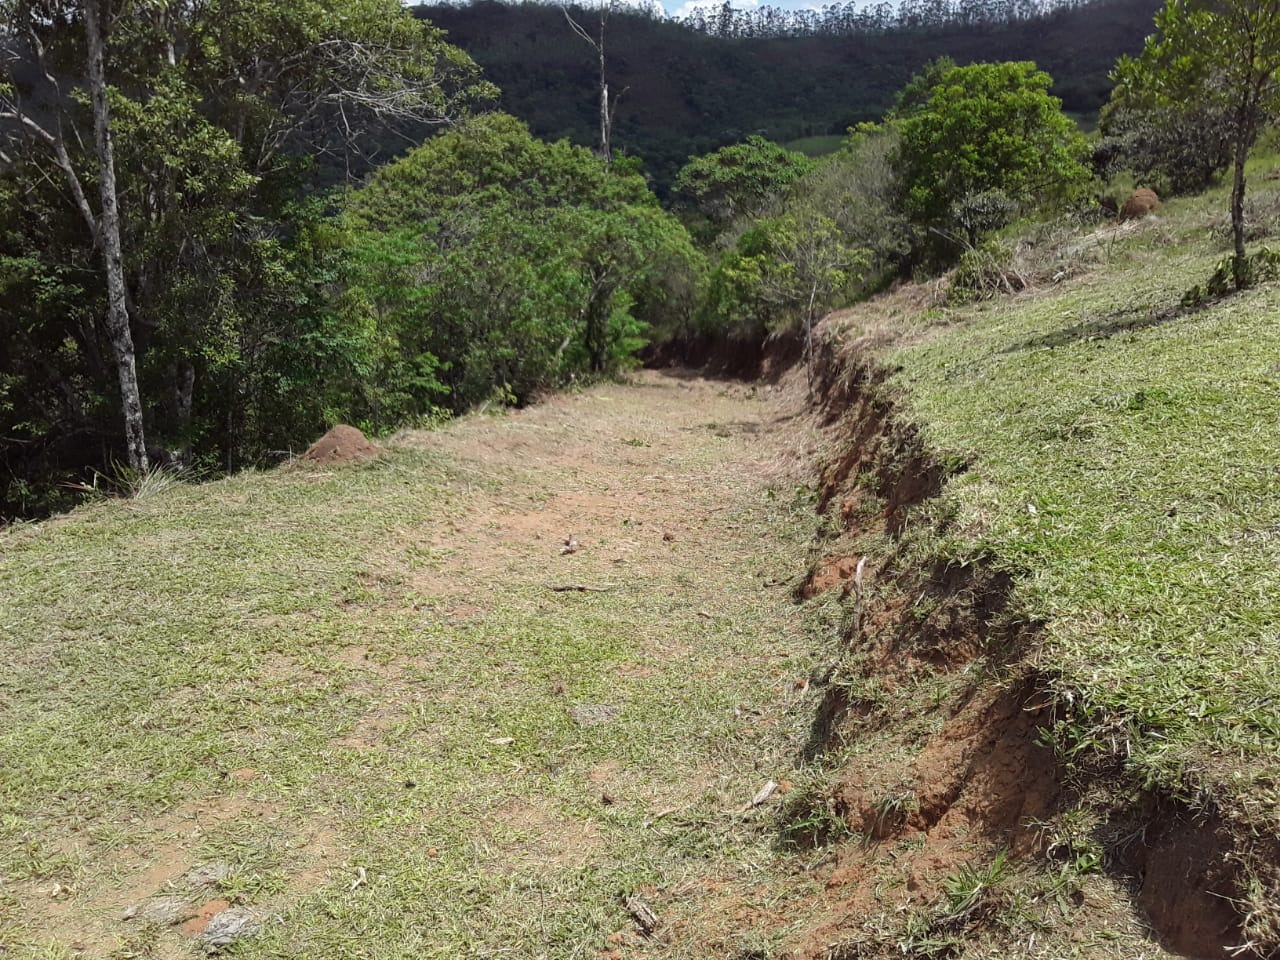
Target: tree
1220, 57
185, 134
833, 235
30, 20
785, 269
597, 43
1173, 147
506, 265
981, 143
736, 181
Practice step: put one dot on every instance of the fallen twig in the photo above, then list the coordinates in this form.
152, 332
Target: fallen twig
762, 795
576, 588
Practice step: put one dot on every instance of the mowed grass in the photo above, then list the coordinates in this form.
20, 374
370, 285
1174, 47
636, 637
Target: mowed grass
354, 688
1124, 460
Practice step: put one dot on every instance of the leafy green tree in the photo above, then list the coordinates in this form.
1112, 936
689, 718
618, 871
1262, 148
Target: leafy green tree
737, 181
221, 116
981, 143
508, 265
785, 270
1173, 147
1219, 57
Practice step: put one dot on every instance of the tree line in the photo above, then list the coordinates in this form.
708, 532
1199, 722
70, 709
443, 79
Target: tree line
678, 92
196, 263
968, 151
859, 19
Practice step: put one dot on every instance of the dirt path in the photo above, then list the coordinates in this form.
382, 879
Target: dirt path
371, 713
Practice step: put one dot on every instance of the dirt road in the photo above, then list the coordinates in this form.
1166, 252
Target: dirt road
488, 697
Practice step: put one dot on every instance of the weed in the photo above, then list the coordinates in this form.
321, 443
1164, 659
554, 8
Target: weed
969, 889
810, 819
892, 810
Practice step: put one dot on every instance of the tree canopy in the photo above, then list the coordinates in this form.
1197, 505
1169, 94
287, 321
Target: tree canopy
982, 142
736, 181
223, 117
495, 264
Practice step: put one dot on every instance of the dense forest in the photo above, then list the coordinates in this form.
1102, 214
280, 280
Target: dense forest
686, 91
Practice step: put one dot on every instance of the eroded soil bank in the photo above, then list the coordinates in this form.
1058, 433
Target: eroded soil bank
981, 824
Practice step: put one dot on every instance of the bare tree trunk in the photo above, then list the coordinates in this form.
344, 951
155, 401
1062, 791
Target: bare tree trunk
606, 118
597, 44
808, 338
605, 149
109, 237
184, 391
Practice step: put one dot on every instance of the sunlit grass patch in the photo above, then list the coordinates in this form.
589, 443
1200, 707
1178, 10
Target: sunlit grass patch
356, 689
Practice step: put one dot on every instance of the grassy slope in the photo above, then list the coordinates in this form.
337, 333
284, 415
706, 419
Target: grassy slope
310, 673
1125, 462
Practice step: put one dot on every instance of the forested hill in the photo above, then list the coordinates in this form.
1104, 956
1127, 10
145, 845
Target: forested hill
688, 92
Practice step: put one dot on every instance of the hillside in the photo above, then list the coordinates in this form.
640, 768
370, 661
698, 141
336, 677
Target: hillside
1063, 506
973, 658
687, 93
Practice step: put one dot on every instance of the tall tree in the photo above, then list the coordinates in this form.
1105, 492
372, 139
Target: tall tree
597, 43
1220, 56
185, 134
28, 19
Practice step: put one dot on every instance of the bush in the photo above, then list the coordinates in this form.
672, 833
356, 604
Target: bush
984, 272
1181, 149
980, 144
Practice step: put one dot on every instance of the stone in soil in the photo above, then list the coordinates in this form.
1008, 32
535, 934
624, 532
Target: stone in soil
162, 910
230, 926
207, 874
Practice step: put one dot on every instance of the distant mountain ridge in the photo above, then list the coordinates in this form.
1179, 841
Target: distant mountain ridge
686, 91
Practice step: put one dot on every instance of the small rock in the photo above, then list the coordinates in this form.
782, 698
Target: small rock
590, 714
229, 926
207, 874
162, 910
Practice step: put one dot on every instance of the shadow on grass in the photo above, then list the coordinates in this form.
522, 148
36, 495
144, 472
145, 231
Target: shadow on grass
1111, 324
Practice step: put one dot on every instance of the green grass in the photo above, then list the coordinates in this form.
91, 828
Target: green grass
817, 146
307, 674
1125, 463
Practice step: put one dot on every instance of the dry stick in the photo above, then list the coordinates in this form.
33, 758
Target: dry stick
857, 606
577, 588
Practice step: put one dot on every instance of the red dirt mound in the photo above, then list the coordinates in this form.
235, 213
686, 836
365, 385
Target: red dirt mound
342, 444
1140, 203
